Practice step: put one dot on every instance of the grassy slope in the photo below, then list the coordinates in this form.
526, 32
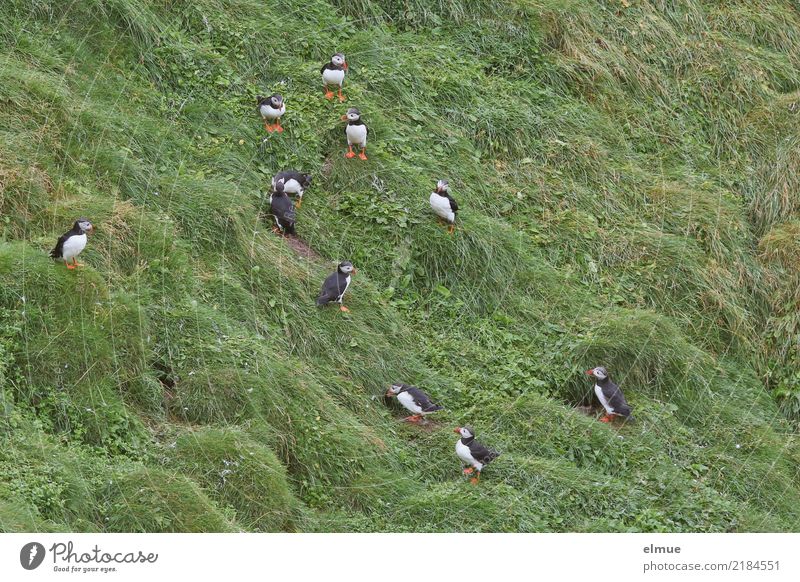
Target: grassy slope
629, 178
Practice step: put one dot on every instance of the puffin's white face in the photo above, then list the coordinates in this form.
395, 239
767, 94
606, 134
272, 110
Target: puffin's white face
442, 186
353, 116
337, 60
599, 373
346, 268
85, 226
276, 101
394, 390
464, 432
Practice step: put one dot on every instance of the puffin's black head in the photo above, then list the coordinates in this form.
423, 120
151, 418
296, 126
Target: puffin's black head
442, 186
279, 188
339, 60
599, 372
465, 431
395, 389
83, 226
352, 114
276, 101
347, 268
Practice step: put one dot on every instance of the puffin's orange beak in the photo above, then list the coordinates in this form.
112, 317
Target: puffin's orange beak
389, 393
345, 65
91, 229
457, 430
590, 372
355, 271
344, 117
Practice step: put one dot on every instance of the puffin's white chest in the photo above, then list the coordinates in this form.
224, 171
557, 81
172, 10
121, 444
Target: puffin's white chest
73, 246
333, 77
465, 455
357, 134
408, 401
292, 186
270, 112
603, 400
346, 285
441, 206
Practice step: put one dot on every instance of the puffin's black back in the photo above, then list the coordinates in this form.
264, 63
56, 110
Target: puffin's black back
421, 399
453, 203
283, 210
332, 288
58, 251
615, 397
479, 451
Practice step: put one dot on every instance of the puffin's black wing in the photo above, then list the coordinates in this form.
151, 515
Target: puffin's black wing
58, 251
331, 289
453, 203
423, 400
287, 175
616, 399
481, 453
324, 67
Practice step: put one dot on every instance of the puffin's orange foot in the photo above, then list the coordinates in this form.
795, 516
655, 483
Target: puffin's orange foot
70, 266
341, 97
474, 480
328, 94
343, 308
277, 230
268, 127
469, 471
350, 155
607, 418
451, 229
279, 128
362, 155
298, 203
413, 418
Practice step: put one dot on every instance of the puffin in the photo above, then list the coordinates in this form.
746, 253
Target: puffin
473, 453
271, 109
333, 74
282, 209
414, 400
71, 243
610, 396
356, 133
444, 205
294, 182
335, 286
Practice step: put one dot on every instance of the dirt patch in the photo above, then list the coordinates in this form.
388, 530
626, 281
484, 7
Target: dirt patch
587, 410
299, 246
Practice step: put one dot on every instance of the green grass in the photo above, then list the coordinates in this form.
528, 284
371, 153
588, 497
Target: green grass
628, 178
